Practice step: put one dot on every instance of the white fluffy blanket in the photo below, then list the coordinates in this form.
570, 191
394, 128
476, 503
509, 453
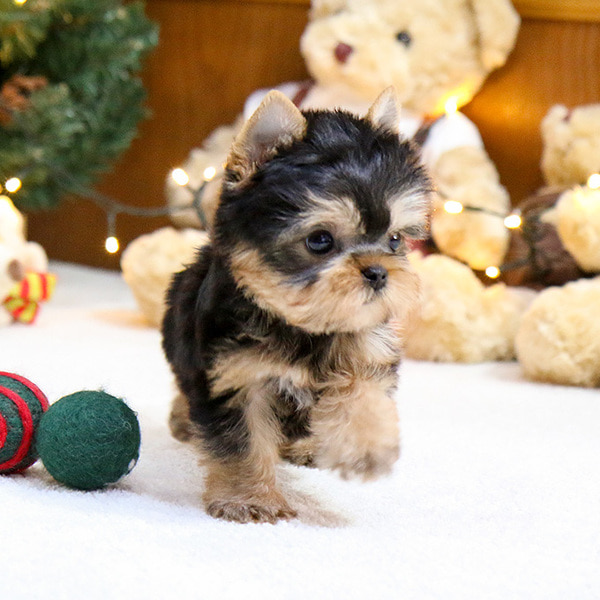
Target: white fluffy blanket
496, 495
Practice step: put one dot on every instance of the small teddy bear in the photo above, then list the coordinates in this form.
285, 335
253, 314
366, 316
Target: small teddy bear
149, 261
461, 320
571, 144
436, 54
11, 272
12, 235
20, 260
558, 338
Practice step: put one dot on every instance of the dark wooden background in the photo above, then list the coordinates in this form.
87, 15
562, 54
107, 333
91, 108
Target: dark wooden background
213, 53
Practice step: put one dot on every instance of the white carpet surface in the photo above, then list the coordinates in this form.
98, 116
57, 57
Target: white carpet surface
496, 495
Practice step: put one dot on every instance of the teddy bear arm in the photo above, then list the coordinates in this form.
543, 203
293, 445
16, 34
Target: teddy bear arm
467, 175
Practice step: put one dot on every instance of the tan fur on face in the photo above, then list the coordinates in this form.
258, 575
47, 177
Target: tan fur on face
338, 301
339, 215
409, 214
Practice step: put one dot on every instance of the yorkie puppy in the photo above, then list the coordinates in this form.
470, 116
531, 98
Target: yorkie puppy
283, 336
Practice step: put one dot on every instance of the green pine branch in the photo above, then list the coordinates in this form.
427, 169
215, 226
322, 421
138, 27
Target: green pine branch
76, 126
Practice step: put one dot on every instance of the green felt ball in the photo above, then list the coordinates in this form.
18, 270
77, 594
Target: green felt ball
89, 439
21, 407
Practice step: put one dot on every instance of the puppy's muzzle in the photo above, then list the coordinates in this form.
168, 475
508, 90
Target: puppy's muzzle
376, 276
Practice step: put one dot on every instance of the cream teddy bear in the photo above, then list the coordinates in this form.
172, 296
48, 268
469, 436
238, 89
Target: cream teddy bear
12, 235
571, 158
554, 333
558, 340
11, 272
559, 336
571, 144
149, 262
461, 320
17, 255
434, 53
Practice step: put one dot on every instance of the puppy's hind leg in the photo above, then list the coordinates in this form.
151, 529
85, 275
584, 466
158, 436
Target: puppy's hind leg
242, 487
179, 420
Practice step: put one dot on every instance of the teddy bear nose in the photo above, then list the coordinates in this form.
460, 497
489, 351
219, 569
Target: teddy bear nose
376, 276
342, 52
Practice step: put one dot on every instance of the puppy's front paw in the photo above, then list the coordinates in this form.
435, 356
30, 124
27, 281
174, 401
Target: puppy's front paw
301, 452
252, 511
357, 432
366, 463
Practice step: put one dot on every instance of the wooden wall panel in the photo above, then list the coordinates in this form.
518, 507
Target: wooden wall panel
213, 53
554, 62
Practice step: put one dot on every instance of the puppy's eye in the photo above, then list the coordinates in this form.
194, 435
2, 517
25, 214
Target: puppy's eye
320, 242
395, 242
404, 38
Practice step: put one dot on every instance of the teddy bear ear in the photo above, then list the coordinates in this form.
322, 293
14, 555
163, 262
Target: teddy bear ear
385, 112
276, 122
498, 24
323, 8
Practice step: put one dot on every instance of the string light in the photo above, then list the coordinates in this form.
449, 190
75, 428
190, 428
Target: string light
209, 173
180, 177
111, 244
593, 181
114, 208
20, 2
453, 207
513, 221
492, 272
451, 105
13, 185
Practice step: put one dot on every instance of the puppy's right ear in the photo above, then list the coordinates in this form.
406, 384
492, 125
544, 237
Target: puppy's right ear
275, 123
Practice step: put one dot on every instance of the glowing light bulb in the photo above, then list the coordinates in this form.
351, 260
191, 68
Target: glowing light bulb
111, 244
20, 2
593, 181
209, 173
453, 207
451, 105
13, 185
492, 272
513, 221
180, 177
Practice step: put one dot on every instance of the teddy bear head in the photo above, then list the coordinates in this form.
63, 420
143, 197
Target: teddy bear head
429, 50
571, 144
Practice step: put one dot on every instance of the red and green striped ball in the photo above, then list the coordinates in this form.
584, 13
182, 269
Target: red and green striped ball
22, 405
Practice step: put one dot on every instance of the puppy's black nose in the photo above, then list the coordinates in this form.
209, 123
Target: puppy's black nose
376, 276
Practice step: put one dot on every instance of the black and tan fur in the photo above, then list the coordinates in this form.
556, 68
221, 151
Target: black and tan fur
283, 336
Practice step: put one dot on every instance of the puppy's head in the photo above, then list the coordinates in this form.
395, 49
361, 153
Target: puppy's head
316, 211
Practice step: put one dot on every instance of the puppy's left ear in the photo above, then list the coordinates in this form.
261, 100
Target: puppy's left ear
385, 112
275, 123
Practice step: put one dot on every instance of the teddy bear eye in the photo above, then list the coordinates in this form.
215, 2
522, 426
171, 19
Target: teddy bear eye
320, 242
404, 38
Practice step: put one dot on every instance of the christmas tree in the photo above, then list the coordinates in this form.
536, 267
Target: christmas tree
70, 92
